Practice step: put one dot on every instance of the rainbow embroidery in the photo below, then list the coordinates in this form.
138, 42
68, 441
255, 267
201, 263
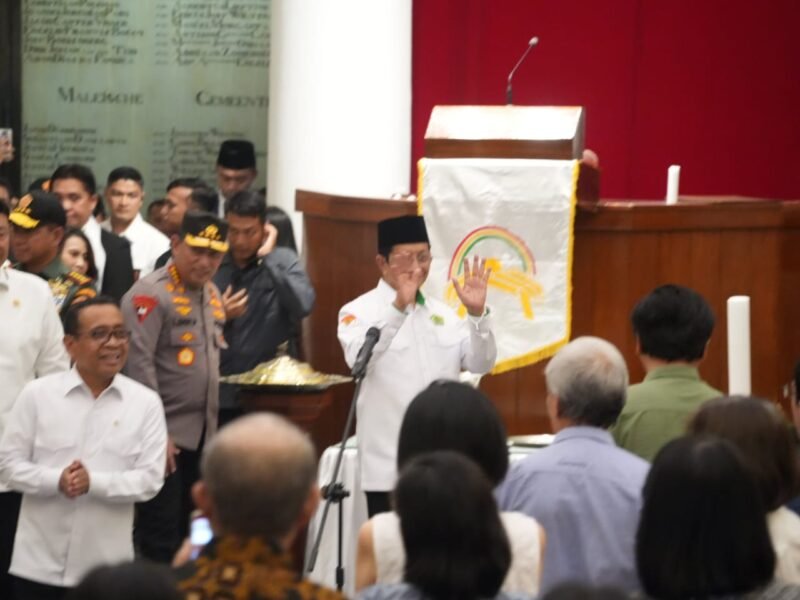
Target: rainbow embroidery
511, 261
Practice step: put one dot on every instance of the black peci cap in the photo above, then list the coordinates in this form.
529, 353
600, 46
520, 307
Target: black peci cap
237, 154
401, 230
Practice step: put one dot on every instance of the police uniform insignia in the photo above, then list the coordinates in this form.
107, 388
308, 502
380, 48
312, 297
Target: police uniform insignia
85, 293
60, 289
185, 357
183, 310
144, 305
79, 278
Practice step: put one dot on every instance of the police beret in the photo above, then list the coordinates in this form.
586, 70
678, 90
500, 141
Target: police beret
237, 154
204, 230
401, 230
37, 208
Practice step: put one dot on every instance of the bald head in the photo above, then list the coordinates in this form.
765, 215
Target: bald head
258, 472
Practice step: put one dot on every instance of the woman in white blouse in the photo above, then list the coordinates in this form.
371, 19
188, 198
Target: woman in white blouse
448, 415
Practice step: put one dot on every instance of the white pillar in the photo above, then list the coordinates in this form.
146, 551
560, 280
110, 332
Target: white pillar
340, 99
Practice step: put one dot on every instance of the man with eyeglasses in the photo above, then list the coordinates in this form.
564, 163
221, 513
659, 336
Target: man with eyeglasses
422, 339
176, 318
82, 446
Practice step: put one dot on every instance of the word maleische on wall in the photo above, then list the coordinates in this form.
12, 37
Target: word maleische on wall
156, 85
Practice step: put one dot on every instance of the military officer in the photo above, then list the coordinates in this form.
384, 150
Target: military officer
38, 223
176, 318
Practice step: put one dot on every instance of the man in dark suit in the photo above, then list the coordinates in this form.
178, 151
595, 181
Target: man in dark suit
75, 187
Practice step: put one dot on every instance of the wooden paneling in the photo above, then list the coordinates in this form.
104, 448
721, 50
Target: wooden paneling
622, 251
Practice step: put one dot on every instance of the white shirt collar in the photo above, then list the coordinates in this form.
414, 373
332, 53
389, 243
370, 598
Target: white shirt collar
73, 380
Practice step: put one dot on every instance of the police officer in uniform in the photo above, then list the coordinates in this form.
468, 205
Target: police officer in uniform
38, 223
176, 318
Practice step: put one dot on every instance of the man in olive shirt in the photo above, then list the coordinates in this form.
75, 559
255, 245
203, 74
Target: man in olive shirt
37, 231
672, 325
176, 318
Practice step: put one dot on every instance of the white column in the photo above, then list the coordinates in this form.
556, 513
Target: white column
340, 99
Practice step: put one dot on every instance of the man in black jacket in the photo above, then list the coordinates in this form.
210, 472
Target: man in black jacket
266, 293
75, 187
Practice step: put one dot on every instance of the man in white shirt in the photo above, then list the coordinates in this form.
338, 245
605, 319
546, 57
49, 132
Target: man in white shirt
125, 195
31, 347
82, 446
422, 339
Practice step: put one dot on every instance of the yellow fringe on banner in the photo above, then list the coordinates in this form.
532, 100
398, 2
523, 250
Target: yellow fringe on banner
547, 351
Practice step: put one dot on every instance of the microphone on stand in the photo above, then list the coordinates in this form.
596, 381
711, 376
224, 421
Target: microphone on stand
531, 43
365, 353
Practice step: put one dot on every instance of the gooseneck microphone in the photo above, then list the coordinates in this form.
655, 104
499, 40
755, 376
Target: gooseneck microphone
531, 43
365, 353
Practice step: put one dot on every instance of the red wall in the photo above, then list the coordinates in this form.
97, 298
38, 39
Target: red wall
712, 85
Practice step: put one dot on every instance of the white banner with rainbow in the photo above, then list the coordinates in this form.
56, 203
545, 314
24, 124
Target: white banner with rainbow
518, 214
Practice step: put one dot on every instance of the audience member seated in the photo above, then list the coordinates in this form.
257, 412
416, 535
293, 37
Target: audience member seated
448, 415
672, 325
127, 581
767, 444
77, 254
702, 532
583, 489
258, 489
456, 545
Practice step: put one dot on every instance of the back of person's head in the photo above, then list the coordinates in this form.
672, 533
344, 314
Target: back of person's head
764, 438
127, 581
456, 547
204, 198
702, 530
75, 171
590, 379
448, 415
125, 173
259, 472
247, 203
673, 323
283, 223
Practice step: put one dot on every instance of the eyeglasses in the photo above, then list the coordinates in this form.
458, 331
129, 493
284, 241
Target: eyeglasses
406, 259
103, 334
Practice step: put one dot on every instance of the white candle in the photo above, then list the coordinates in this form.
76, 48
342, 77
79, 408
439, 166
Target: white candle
739, 345
673, 181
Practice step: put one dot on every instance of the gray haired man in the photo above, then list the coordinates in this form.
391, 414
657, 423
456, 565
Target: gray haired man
258, 489
583, 489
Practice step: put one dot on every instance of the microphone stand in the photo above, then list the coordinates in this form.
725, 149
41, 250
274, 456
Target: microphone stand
335, 491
